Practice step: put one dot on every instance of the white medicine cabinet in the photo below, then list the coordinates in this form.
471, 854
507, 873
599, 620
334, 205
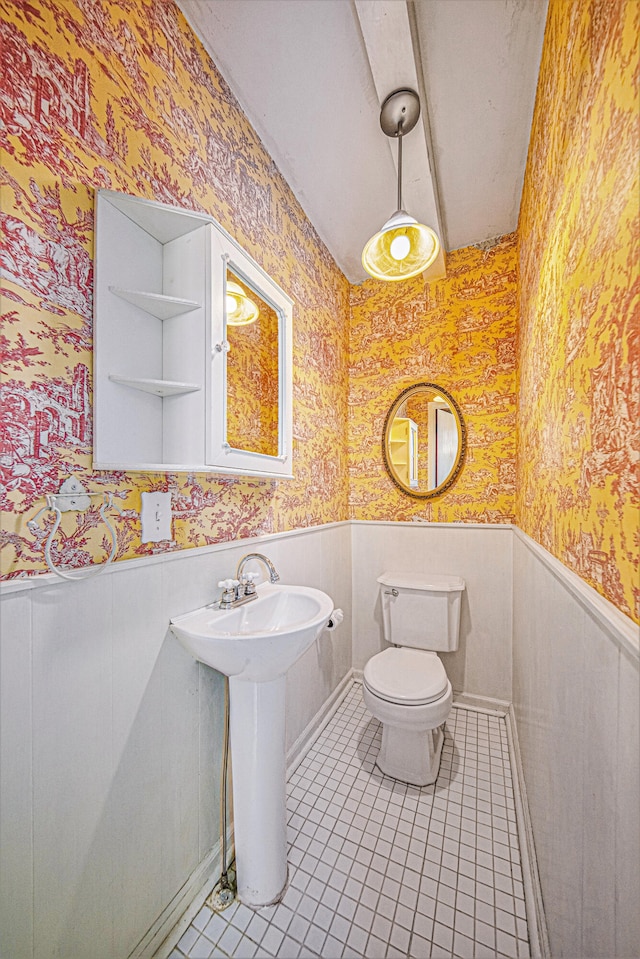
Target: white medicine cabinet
192, 346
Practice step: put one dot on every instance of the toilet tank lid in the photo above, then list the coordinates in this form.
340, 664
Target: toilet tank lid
433, 582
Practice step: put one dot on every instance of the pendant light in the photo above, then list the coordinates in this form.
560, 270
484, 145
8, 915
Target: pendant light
241, 310
403, 247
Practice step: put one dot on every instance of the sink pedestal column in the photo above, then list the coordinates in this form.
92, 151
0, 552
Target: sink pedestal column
258, 763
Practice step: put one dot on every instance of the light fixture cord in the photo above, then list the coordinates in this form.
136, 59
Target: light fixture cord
400, 164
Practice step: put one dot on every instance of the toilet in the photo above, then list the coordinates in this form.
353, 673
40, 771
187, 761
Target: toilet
405, 686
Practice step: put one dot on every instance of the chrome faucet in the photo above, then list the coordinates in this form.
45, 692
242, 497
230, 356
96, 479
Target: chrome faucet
242, 589
273, 573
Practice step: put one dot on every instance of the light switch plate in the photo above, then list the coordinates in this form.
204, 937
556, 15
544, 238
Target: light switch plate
155, 517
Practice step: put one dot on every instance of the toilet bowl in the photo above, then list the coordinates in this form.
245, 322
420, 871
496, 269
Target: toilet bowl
408, 691
405, 686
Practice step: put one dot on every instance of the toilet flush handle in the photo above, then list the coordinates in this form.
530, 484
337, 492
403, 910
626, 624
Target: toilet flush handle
391, 592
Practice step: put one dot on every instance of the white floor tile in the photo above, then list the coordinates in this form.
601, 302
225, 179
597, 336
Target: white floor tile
386, 870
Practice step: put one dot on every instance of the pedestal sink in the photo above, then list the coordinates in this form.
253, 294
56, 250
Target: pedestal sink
254, 645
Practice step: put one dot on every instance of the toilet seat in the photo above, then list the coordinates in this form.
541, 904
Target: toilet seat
408, 677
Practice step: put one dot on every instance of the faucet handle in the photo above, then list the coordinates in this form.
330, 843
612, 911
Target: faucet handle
228, 587
250, 586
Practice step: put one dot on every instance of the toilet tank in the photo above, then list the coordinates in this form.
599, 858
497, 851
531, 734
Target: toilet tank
421, 610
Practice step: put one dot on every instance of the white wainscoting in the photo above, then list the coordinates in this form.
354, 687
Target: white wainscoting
576, 703
111, 742
481, 554
111, 734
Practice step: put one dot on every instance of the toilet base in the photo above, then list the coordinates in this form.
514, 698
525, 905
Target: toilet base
412, 756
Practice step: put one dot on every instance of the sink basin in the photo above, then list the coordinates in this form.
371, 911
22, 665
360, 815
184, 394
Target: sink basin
260, 640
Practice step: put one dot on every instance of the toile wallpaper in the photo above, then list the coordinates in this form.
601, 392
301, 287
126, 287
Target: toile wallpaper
536, 338
458, 332
579, 336
122, 95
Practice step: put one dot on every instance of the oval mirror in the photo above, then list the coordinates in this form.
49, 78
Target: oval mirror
424, 440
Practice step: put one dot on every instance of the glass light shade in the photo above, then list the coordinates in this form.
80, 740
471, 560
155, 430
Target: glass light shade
241, 310
383, 256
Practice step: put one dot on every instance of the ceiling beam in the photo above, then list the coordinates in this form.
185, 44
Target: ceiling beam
391, 50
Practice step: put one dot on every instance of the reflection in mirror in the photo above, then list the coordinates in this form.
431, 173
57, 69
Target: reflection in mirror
252, 369
424, 440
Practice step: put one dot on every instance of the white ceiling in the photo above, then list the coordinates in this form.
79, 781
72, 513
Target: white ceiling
311, 75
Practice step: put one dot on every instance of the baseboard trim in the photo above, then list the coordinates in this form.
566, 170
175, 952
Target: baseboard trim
312, 730
534, 904
481, 704
175, 919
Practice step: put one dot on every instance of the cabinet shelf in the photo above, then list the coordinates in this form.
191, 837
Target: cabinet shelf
402, 450
158, 304
157, 387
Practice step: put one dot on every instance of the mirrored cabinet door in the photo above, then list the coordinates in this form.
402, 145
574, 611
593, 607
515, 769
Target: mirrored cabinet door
251, 421
253, 368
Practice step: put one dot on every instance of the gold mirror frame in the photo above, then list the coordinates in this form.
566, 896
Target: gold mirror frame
462, 440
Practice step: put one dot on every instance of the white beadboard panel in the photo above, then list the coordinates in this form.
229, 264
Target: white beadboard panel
575, 690
531, 694
627, 810
127, 728
550, 713
324, 562
72, 769
481, 555
559, 666
180, 750
127, 739
16, 846
210, 749
192, 581
523, 635
192, 716
598, 741
135, 795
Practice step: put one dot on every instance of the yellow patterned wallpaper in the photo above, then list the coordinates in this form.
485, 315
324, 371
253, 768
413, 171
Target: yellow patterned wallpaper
100, 93
458, 332
578, 357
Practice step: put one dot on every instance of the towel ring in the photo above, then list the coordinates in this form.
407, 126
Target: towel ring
74, 497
